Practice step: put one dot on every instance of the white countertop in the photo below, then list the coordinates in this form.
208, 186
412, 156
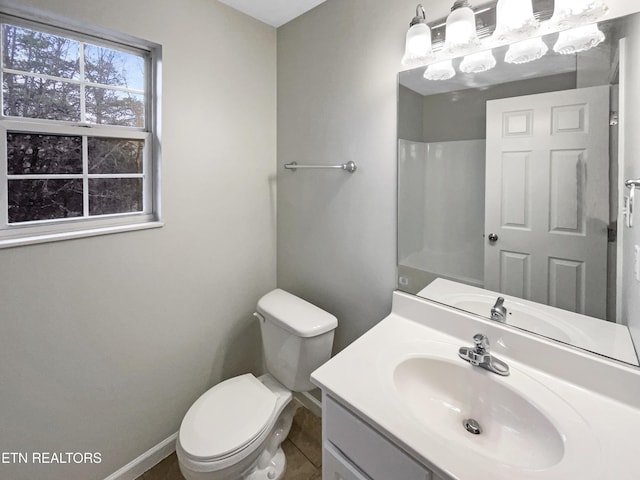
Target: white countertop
604, 393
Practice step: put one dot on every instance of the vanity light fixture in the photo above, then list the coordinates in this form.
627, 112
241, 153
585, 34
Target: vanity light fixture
440, 71
418, 45
478, 62
579, 39
460, 34
515, 20
526, 51
577, 12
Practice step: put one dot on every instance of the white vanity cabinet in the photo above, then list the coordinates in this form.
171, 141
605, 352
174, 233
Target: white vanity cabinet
353, 450
395, 399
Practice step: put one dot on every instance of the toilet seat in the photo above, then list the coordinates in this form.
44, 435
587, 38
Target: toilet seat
227, 419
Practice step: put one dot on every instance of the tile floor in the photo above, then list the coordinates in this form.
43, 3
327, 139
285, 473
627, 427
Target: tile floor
303, 448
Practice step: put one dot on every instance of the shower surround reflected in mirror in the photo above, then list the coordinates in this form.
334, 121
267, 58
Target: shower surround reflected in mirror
511, 183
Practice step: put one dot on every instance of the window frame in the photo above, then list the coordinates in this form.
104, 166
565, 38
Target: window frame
25, 233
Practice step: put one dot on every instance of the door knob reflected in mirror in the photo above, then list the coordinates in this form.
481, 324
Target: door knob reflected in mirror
493, 237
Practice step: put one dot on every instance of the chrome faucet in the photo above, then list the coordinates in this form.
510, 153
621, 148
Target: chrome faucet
479, 356
499, 311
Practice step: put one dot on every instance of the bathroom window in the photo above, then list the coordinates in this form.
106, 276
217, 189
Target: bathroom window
78, 142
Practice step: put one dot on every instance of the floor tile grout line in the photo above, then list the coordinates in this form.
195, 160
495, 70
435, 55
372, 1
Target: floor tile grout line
302, 453
305, 456
305, 433
316, 469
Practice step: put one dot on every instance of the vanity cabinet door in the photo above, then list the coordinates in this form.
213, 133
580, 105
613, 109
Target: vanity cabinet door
367, 449
336, 467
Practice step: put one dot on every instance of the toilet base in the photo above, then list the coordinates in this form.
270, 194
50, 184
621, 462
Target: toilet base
274, 471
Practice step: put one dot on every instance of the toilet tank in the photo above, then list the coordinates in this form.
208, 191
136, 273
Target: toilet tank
297, 338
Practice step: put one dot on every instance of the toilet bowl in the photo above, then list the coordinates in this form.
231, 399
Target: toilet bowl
235, 429
252, 417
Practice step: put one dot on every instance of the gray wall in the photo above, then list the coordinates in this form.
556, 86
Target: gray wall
337, 84
107, 341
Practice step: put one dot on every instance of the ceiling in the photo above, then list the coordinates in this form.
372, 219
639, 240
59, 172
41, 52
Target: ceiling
273, 12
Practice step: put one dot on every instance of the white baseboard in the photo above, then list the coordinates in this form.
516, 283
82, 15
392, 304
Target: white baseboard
146, 461
310, 402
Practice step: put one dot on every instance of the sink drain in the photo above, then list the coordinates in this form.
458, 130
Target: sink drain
472, 426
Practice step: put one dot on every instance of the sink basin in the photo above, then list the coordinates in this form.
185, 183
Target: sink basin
523, 424
444, 394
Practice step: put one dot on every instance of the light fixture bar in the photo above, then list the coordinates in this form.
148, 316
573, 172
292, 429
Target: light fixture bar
486, 21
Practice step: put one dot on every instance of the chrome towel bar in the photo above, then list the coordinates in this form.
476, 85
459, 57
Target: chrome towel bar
349, 166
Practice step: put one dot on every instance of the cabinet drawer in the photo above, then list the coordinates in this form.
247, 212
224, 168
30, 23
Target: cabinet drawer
361, 445
336, 467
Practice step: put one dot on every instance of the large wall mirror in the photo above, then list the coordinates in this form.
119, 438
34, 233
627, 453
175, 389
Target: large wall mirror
512, 185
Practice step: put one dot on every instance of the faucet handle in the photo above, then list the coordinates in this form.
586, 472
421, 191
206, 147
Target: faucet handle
482, 343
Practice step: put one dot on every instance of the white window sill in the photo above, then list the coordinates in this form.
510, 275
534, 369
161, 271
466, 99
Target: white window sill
69, 235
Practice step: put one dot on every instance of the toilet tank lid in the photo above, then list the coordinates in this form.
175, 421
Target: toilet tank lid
295, 314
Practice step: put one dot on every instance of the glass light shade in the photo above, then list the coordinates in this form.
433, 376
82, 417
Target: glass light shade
578, 39
526, 51
418, 46
460, 33
576, 12
440, 71
515, 20
478, 62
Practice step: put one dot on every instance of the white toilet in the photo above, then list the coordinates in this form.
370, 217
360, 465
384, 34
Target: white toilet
234, 430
